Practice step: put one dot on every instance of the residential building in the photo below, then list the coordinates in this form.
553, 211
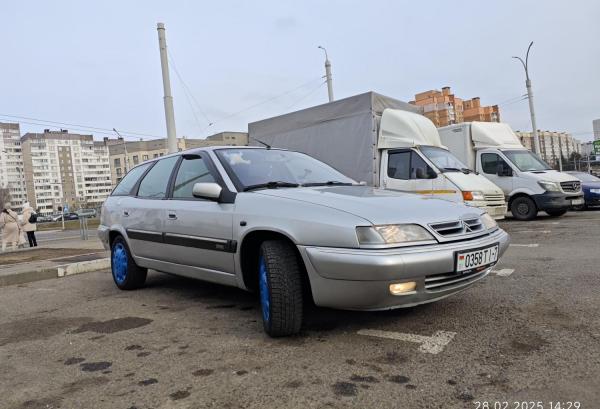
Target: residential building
596, 127
141, 151
63, 168
11, 164
551, 143
444, 108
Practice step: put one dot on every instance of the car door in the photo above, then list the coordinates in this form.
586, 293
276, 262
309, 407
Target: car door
146, 212
489, 167
198, 232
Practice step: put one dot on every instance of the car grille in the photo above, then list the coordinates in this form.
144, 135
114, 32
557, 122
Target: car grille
494, 198
445, 281
574, 186
457, 227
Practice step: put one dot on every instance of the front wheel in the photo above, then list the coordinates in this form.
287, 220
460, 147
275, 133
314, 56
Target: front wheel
556, 213
126, 274
523, 208
280, 286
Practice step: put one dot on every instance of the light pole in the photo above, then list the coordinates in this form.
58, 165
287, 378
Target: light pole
328, 75
168, 98
126, 161
536, 141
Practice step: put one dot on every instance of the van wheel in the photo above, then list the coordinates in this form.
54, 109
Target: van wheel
280, 285
126, 274
556, 213
523, 208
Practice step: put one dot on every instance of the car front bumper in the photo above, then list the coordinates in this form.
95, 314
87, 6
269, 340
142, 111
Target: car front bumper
103, 235
556, 200
359, 279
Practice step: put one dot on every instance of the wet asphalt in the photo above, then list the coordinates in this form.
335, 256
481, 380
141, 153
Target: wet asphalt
529, 335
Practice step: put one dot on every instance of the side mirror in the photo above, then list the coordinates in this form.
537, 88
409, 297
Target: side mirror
208, 191
431, 174
503, 169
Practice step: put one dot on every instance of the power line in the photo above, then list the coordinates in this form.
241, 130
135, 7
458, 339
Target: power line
311, 92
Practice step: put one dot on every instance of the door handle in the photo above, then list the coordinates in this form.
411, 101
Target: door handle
172, 216
125, 213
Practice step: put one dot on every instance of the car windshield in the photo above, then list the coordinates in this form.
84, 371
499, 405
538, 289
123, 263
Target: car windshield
443, 159
272, 168
526, 161
585, 177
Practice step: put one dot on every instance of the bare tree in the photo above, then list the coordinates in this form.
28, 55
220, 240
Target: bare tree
4, 196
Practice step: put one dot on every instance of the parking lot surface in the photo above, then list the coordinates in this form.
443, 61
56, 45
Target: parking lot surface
530, 331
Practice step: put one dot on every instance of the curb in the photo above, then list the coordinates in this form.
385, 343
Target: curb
54, 272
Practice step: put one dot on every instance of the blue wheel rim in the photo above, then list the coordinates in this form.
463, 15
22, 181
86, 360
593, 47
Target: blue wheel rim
119, 263
265, 299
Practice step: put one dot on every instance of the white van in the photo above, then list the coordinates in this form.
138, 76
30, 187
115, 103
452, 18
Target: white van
529, 184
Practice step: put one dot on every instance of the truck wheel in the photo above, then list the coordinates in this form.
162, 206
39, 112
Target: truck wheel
556, 213
126, 274
280, 284
523, 208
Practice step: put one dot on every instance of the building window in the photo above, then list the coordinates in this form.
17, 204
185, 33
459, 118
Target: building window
136, 159
117, 163
145, 157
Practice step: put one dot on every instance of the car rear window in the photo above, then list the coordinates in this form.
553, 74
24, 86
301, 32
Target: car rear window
129, 181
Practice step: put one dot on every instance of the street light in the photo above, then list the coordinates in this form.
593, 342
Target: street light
536, 141
328, 74
126, 155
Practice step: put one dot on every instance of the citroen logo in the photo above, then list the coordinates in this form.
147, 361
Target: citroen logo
466, 227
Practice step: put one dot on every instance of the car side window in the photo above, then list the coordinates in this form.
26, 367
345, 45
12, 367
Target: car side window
129, 181
191, 171
419, 169
399, 165
155, 183
489, 163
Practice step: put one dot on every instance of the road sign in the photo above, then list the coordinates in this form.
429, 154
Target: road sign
66, 208
597, 147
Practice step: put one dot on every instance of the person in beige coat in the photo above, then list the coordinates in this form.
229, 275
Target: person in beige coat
9, 225
29, 227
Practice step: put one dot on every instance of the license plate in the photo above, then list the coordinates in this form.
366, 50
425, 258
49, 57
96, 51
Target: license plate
576, 202
469, 260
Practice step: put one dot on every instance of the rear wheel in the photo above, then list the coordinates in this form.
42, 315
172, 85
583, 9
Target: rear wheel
523, 208
556, 213
280, 286
126, 274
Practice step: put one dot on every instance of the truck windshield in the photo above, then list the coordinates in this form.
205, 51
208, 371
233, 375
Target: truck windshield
526, 161
273, 168
443, 159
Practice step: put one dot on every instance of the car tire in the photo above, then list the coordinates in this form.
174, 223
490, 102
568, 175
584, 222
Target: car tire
126, 274
523, 208
280, 288
556, 213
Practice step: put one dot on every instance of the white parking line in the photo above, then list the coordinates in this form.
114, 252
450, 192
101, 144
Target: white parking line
533, 231
532, 245
429, 345
505, 272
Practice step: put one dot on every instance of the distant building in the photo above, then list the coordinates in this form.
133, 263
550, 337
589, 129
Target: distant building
63, 168
11, 164
141, 151
444, 108
596, 126
551, 143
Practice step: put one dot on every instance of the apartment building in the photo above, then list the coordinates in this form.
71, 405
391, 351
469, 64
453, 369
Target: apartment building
552, 143
444, 108
596, 128
11, 164
63, 168
125, 155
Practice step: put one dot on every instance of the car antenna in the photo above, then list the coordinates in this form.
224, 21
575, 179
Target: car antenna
261, 142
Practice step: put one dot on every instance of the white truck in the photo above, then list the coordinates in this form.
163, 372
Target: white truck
383, 142
529, 184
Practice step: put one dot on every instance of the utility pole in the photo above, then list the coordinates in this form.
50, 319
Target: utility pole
126, 162
168, 98
328, 75
536, 141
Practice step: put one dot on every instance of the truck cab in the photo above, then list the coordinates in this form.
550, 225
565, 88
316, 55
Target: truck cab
413, 159
529, 184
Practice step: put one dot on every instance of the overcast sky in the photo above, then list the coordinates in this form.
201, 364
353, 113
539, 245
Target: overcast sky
98, 64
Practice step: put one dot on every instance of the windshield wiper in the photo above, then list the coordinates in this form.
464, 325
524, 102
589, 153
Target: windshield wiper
270, 185
328, 183
466, 171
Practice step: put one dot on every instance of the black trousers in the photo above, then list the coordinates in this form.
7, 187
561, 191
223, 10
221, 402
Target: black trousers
31, 238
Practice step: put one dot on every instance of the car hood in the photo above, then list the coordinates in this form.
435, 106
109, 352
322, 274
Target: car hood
377, 205
473, 182
590, 185
552, 176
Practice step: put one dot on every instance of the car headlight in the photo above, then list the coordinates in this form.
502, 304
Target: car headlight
488, 221
594, 190
392, 234
472, 195
549, 186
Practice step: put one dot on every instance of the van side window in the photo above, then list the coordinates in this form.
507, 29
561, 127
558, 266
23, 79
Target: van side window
419, 169
489, 163
155, 183
129, 181
399, 165
191, 171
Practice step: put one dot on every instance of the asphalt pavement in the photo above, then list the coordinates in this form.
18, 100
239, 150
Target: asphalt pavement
529, 332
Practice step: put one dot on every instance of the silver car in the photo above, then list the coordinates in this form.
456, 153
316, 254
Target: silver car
293, 229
